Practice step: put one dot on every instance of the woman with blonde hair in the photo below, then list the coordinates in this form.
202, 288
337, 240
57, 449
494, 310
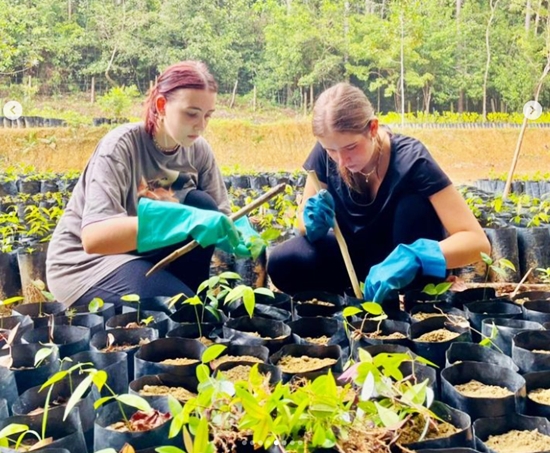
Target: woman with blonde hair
399, 213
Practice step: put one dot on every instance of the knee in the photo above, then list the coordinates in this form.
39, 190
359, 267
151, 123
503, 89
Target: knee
200, 199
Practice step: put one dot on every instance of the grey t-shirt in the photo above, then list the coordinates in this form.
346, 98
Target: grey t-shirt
108, 188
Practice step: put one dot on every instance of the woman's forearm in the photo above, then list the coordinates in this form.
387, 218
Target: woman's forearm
111, 236
464, 247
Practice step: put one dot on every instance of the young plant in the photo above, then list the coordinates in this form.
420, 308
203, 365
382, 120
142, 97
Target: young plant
96, 304
544, 274
499, 266
248, 296
371, 312
40, 286
134, 298
437, 290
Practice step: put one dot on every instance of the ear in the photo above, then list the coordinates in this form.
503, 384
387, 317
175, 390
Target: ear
373, 127
160, 104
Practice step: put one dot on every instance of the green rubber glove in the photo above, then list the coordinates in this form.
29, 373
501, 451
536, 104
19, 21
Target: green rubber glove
161, 223
250, 240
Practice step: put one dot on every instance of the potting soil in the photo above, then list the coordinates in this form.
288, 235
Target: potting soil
413, 429
235, 358
290, 364
438, 336
392, 336
239, 373
516, 441
179, 361
179, 393
476, 389
541, 396
318, 340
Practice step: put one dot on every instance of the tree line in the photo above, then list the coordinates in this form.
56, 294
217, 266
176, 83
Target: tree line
408, 55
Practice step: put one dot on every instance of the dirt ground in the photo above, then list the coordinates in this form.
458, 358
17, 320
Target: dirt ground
465, 154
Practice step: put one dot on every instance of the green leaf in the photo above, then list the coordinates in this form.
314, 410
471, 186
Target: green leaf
212, 352
499, 271
11, 300
364, 356
13, 428
214, 311
430, 289
249, 300
95, 304
203, 373
443, 287
195, 300
503, 262
77, 395
388, 417
486, 258
373, 308
41, 355
176, 424
319, 435
234, 294
101, 401
201, 436
350, 311
134, 401
169, 449
107, 450
174, 405
130, 298
99, 378
55, 378
265, 292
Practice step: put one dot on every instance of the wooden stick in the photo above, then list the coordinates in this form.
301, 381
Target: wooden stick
521, 282
235, 216
342, 244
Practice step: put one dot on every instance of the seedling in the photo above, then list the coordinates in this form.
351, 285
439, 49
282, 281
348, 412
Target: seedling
248, 296
437, 290
369, 309
544, 274
46, 295
134, 298
499, 266
96, 304
214, 289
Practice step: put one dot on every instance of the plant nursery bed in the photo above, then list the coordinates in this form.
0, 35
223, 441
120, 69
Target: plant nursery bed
476, 389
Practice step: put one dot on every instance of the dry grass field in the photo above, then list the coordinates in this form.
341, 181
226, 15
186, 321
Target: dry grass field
465, 154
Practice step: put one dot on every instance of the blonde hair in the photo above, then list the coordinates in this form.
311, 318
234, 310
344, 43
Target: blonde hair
343, 108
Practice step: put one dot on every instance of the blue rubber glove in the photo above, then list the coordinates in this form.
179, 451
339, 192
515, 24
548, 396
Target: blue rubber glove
401, 267
318, 215
249, 240
161, 223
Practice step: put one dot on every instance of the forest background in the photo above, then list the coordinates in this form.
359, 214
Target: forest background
419, 61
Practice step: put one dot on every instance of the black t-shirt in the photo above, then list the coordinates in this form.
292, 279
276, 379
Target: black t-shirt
412, 170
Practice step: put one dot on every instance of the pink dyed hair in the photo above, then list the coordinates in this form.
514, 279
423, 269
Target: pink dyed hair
193, 75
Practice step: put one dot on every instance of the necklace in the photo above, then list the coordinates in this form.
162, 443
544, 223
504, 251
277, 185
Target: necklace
369, 174
163, 149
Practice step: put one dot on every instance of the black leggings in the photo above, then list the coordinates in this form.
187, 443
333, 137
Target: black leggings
299, 265
183, 275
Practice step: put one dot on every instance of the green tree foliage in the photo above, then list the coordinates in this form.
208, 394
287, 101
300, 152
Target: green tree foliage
285, 48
